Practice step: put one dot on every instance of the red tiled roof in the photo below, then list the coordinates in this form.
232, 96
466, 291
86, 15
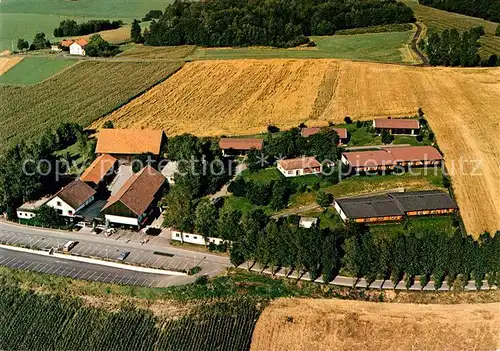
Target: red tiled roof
98, 169
241, 143
390, 156
307, 132
75, 193
396, 123
139, 190
82, 42
66, 43
299, 163
129, 141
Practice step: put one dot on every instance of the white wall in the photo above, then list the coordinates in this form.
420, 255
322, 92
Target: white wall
63, 209
122, 220
293, 173
191, 238
24, 214
75, 49
339, 210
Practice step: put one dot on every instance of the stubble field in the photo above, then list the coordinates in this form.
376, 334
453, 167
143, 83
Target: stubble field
7, 63
244, 96
301, 324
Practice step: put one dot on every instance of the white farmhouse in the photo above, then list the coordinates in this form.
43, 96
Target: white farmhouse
299, 166
78, 47
72, 198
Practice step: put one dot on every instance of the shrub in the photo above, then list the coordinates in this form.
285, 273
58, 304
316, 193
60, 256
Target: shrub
347, 120
387, 137
272, 129
153, 231
201, 280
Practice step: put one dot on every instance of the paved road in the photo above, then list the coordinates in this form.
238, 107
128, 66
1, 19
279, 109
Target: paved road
86, 271
156, 253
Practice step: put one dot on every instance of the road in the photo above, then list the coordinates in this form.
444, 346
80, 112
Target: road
414, 45
157, 253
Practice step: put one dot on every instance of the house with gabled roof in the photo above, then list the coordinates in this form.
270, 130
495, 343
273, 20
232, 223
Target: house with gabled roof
124, 144
341, 132
99, 171
72, 198
406, 126
78, 47
299, 166
136, 199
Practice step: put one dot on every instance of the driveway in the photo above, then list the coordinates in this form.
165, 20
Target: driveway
123, 174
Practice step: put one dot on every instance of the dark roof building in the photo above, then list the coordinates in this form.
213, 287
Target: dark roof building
240, 146
75, 193
393, 206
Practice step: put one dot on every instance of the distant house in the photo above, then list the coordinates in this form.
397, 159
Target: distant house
124, 144
397, 126
28, 209
169, 171
299, 166
99, 171
391, 157
342, 133
394, 206
136, 199
239, 146
72, 198
78, 47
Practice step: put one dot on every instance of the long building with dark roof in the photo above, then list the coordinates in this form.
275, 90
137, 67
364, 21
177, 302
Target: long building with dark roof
394, 206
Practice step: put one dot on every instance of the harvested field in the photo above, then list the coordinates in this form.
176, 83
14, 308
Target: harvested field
244, 96
302, 324
85, 92
7, 63
139, 51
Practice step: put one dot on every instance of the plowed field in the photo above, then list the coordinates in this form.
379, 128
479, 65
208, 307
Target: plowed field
295, 324
244, 96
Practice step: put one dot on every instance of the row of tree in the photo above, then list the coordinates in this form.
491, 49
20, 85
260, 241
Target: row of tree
280, 23
450, 48
39, 42
356, 251
70, 28
28, 171
487, 9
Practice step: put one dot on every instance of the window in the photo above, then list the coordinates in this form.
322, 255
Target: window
187, 236
59, 203
59, 212
195, 237
70, 213
177, 235
32, 214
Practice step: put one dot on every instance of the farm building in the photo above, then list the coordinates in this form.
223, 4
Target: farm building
196, 239
390, 157
300, 166
28, 209
72, 198
169, 171
136, 199
78, 47
404, 126
100, 171
394, 206
124, 144
342, 133
239, 146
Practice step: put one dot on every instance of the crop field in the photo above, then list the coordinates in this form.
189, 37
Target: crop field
384, 47
302, 324
32, 70
244, 96
41, 322
6, 63
139, 51
439, 20
85, 92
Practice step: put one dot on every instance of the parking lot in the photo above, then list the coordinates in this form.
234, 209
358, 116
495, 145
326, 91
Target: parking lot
110, 250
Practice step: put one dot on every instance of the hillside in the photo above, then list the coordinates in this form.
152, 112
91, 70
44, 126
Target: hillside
244, 96
301, 324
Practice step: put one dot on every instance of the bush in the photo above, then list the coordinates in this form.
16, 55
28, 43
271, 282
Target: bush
272, 129
387, 137
315, 186
419, 138
431, 136
153, 231
201, 280
347, 120
446, 182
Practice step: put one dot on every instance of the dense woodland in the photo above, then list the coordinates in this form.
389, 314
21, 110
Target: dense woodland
69, 28
280, 23
487, 9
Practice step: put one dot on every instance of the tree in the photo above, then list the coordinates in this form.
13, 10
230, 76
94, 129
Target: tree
353, 259
135, 32
153, 14
98, 47
330, 257
280, 194
238, 187
47, 216
254, 160
228, 225
22, 44
143, 160
497, 32
179, 213
39, 42
386, 137
324, 199
205, 219
347, 120
258, 193
108, 125
323, 145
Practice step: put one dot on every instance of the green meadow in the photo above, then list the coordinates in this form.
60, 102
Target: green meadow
32, 70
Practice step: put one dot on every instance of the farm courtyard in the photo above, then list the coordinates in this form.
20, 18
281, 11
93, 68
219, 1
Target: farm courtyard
244, 96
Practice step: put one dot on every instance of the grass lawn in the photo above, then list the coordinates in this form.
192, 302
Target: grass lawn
384, 47
439, 20
263, 176
437, 224
32, 70
363, 137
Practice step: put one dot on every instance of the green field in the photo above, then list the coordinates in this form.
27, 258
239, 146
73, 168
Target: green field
439, 20
34, 69
383, 47
24, 18
85, 92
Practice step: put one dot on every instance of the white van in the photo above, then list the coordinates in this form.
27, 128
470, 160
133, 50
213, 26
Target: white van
69, 245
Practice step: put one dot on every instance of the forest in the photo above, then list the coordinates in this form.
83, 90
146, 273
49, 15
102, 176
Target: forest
69, 28
279, 23
487, 9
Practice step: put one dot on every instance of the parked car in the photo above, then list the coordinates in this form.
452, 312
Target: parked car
69, 245
123, 256
110, 231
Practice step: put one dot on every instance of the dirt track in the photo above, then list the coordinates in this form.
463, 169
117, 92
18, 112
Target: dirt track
303, 324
